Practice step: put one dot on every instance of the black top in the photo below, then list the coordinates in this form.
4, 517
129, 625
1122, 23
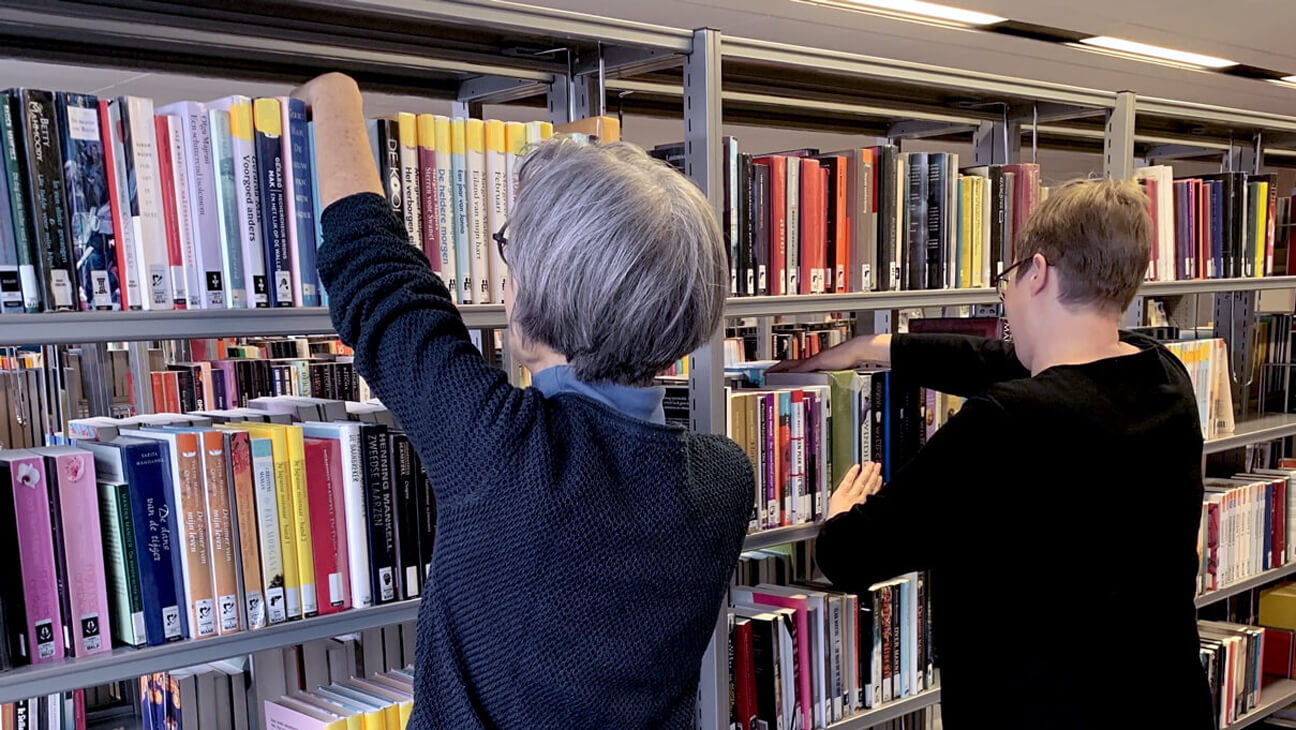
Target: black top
581, 555
1058, 515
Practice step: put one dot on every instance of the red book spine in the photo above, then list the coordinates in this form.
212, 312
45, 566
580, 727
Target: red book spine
1156, 233
158, 380
843, 228
812, 218
166, 176
171, 380
778, 222
324, 494
114, 203
427, 193
745, 676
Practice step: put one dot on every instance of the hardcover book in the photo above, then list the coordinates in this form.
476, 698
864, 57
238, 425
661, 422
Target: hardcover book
300, 193
268, 125
94, 241
28, 540
247, 187
19, 207
42, 161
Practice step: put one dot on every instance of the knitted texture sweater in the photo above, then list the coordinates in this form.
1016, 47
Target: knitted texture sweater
581, 555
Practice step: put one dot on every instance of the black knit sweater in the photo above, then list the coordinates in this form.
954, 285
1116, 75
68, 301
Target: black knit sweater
581, 555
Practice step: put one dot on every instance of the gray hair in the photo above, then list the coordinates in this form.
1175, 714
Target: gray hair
617, 259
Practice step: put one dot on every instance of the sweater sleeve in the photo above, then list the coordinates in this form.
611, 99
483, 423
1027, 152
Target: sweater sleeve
412, 347
904, 526
960, 365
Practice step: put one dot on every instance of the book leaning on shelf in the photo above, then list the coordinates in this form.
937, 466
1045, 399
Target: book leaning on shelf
112, 204
170, 527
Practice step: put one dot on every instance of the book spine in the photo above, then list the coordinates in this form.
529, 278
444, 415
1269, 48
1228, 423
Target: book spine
324, 526
268, 124
429, 228
427, 519
783, 452
497, 200
190, 498
220, 532
301, 196
305, 548
110, 122
26, 496
242, 496
89, 211
144, 199
478, 208
248, 202
317, 208
206, 206
746, 226
463, 238
44, 165
186, 162
82, 541
287, 529
405, 505
760, 214
357, 517
153, 517
446, 212
20, 218
118, 584
389, 167
179, 247
265, 484
793, 253
407, 164
382, 547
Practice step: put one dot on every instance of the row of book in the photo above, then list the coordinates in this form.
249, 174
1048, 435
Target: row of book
114, 204
203, 525
1245, 523
377, 702
204, 697
804, 655
1207, 363
1233, 656
1232, 224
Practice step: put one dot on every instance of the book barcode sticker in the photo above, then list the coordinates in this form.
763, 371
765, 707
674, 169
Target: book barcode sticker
205, 616
259, 296
90, 639
229, 613
276, 607
137, 623
283, 286
865, 271
292, 599
215, 290
762, 281
335, 589
751, 280
61, 288
309, 605
44, 639
255, 610
386, 584
102, 296
171, 623
157, 284
411, 581
27, 276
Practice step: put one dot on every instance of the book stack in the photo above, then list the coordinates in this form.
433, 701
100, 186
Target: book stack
114, 204
1244, 527
807, 656
1233, 657
1208, 368
377, 701
205, 697
195, 525
867, 219
66, 711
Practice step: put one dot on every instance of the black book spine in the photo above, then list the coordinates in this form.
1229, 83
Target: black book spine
935, 253
877, 404
316, 380
265, 372
382, 533
190, 396
13, 650
763, 659
427, 518
829, 193
729, 146
746, 259
347, 391
889, 183
1231, 227
998, 208
761, 224
43, 161
274, 222
405, 496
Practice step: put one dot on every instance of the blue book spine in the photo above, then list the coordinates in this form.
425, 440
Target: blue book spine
94, 242
148, 471
785, 454
274, 221
315, 203
303, 176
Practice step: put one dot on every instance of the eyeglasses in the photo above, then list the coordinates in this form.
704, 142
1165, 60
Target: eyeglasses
1000, 282
501, 241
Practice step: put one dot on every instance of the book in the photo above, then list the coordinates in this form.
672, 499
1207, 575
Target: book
324, 482
144, 199
354, 496
271, 173
405, 509
408, 168
42, 161
186, 277
459, 192
25, 513
209, 286
121, 564
299, 192
478, 208
378, 505
430, 225
282, 599
247, 196
221, 527
497, 204
24, 237
238, 448
91, 226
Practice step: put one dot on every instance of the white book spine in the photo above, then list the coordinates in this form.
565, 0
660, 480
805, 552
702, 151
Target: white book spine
248, 195
149, 230
792, 261
478, 220
200, 174
445, 207
190, 275
267, 512
498, 196
409, 168
123, 225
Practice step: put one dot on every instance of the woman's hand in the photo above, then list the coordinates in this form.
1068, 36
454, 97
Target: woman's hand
859, 483
344, 161
846, 356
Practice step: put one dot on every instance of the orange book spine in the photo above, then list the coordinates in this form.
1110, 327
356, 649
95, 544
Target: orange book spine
842, 223
158, 382
220, 533
193, 513
238, 450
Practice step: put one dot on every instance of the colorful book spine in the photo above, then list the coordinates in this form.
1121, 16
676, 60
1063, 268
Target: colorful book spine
463, 240
43, 162
248, 188
427, 186
242, 496
224, 205
71, 478
144, 200
378, 505
28, 541
351, 448
220, 530
329, 537
497, 203
121, 564
268, 126
175, 203
478, 208
408, 165
301, 519
208, 284
446, 214
268, 529
94, 243
300, 192
315, 203
24, 237
114, 140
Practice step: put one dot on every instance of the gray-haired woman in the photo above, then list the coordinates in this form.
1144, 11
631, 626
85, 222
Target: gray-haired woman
583, 546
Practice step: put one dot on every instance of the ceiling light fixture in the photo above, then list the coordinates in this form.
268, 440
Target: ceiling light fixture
919, 10
1145, 51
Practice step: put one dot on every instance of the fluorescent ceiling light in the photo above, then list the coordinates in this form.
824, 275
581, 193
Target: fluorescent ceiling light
1134, 48
918, 10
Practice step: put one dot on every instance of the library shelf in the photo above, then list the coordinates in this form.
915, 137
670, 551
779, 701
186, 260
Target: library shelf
780, 536
1210, 286
889, 711
1273, 697
1254, 581
123, 662
1257, 430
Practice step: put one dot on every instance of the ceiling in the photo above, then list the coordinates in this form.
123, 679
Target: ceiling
1254, 32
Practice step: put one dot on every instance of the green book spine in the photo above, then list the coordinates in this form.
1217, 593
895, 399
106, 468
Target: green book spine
134, 590
115, 563
31, 286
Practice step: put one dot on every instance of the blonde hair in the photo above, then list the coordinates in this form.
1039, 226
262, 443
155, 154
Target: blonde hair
1098, 235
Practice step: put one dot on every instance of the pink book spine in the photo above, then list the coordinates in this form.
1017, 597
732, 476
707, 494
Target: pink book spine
428, 205
36, 555
83, 548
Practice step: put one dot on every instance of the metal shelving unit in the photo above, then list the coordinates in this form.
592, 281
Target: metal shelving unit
122, 663
780, 536
1273, 697
1258, 430
889, 711
1246, 585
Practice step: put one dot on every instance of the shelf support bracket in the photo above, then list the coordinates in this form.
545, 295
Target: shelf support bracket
996, 143
498, 89
918, 129
1118, 143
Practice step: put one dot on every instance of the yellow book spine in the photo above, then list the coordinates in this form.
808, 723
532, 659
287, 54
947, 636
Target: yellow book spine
1262, 227
978, 237
458, 137
965, 225
375, 720
301, 519
475, 135
441, 132
267, 116
427, 131
241, 120
407, 128
495, 135
546, 130
515, 137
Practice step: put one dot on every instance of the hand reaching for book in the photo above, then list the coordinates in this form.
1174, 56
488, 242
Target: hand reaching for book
859, 483
874, 349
